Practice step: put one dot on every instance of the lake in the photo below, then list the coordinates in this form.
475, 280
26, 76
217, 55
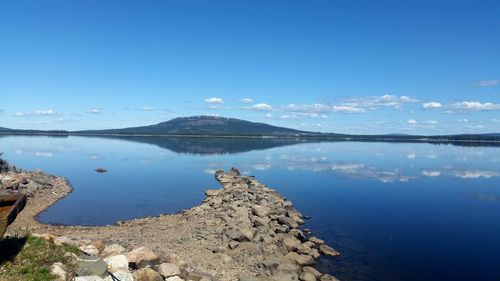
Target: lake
396, 211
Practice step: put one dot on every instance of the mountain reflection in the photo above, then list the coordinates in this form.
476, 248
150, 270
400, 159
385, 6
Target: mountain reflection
212, 146
228, 145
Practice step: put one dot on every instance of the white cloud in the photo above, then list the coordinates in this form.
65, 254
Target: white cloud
374, 102
298, 115
216, 106
411, 122
475, 126
214, 100
37, 122
95, 110
48, 112
44, 112
262, 107
432, 104
313, 110
431, 122
65, 120
147, 108
463, 120
316, 107
476, 106
495, 120
246, 100
488, 83
348, 109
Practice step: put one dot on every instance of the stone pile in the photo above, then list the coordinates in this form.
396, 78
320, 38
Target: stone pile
25, 182
101, 262
260, 226
244, 231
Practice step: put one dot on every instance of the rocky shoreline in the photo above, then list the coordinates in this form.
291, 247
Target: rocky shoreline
244, 231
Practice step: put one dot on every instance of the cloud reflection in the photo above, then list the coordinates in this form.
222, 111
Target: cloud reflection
475, 174
430, 173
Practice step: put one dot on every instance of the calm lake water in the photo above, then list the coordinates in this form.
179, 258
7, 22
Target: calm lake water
396, 211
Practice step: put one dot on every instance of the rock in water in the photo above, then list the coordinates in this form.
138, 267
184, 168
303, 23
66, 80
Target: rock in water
101, 170
328, 251
328, 277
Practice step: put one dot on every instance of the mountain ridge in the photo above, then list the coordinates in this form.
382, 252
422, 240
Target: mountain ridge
206, 125
215, 126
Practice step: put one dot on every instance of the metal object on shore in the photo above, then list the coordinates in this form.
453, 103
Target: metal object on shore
10, 206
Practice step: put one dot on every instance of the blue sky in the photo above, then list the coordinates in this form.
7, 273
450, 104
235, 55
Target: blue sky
428, 67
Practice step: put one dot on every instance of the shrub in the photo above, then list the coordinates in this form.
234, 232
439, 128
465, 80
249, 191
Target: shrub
4, 166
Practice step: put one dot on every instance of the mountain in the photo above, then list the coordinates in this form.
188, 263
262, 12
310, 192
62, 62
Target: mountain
205, 125
197, 126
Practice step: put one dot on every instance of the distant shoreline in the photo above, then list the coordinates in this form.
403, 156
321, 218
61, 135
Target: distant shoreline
403, 139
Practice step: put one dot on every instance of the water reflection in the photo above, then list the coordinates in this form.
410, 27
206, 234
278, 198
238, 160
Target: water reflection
385, 206
475, 174
485, 197
213, 146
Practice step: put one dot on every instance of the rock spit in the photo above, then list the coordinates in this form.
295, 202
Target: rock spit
244, 231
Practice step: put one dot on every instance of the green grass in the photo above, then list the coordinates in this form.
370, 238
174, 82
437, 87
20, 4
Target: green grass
30, 258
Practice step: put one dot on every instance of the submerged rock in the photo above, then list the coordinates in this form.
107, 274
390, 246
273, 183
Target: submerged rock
328, 251
101, 170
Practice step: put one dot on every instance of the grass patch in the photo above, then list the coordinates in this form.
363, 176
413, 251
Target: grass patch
30, 258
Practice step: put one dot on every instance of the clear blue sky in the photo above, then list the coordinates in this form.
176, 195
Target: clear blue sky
337, 66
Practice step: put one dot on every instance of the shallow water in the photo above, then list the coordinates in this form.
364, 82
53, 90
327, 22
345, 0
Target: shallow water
396, 211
